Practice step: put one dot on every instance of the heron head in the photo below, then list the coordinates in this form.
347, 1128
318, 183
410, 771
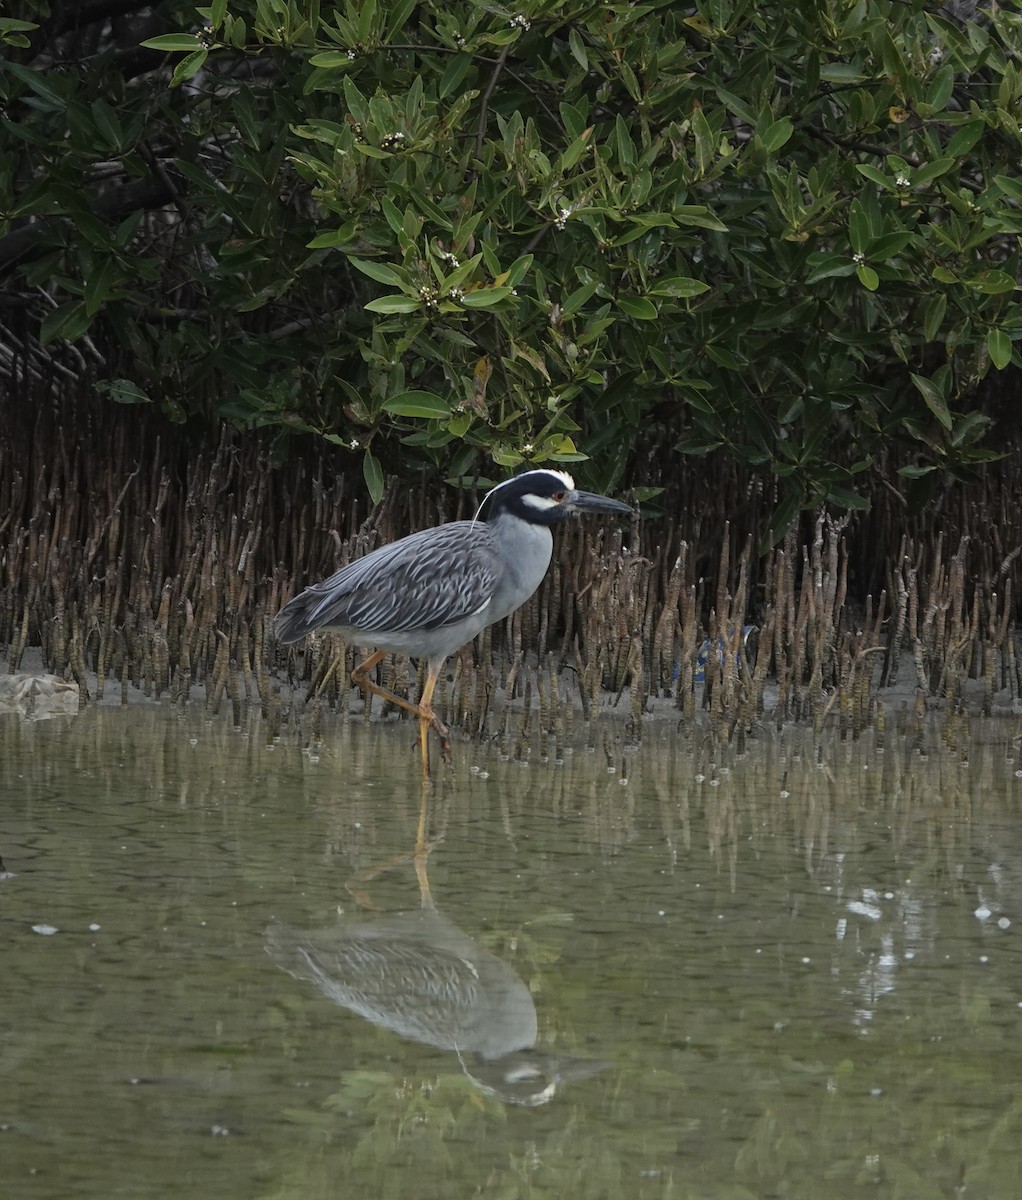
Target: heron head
544, 497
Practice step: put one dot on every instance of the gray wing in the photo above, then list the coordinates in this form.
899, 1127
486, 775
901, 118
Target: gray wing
425, 581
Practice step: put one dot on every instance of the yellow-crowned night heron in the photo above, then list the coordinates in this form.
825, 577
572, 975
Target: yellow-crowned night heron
428, 594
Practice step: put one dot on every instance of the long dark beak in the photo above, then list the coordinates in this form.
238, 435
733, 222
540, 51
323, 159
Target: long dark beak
590, 502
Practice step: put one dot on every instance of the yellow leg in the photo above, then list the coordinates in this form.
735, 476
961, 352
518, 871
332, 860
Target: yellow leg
423, 710
428, 718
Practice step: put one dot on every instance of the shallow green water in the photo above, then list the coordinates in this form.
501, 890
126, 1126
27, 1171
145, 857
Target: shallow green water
795, 973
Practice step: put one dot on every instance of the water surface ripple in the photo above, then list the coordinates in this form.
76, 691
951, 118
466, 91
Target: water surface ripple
794, 972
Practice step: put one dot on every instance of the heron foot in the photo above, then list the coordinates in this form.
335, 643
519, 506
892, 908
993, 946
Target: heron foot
444, 736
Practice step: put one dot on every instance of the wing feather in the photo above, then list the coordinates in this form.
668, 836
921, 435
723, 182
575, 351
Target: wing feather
427, 580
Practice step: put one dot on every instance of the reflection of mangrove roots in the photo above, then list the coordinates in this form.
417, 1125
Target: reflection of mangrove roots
162, 578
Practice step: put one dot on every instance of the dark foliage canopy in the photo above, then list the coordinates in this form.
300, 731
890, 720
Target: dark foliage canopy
473, 234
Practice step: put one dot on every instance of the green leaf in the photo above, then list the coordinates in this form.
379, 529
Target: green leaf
42, 86
887, 245
653, 220
366, 20
517, 271
934, 398
723, 357
69, 321
188, 66
916, 472
875, 176
777, 134
572, 120
941, 88
332, 237
238, 33
991, 283
642, 494
969, 429
826, 266
93, 230
698, 215
999, 346
381, 272
577, 47
1010, 187
460, 424
400, 14
860, 230
107, 123
418, 404
964, 140
838, 72
932, 170
638, 307
331, 58
485, 297
847, 499
98, 283
173, 41
867, 277
625, 146
357, 104
737, 105
933, 317
680, 287
452, 77
123, 391
786, 511
393, 304
575, 151
697, 448
579, 297
372, 473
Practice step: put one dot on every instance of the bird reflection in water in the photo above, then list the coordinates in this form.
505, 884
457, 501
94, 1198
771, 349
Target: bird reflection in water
420, 976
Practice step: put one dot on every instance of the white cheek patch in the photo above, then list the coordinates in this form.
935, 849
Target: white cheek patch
539, 503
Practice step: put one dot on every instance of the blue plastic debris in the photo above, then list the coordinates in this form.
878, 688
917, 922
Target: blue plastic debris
707, 649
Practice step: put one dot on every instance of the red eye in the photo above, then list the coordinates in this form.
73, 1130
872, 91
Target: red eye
558, 496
